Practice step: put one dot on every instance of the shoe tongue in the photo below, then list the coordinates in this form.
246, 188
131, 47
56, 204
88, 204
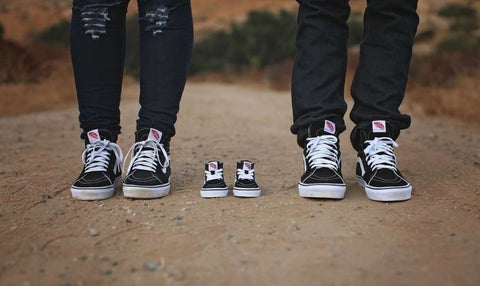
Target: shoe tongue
96, 135
245, 165
213, 166
148, 134
379, 128
324, 127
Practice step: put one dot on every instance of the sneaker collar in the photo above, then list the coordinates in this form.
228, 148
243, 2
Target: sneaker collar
375, 129
213, 166
152, 134
95, 135
324, 127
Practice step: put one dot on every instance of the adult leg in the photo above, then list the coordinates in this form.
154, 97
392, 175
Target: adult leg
320, 65
166, 41
378, 90
381, 76
98, 52
317, 94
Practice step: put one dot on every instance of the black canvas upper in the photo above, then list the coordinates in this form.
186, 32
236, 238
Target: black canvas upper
98, 179
383, 177
315, 176
214, 183
147, 178
245, 183
364, 132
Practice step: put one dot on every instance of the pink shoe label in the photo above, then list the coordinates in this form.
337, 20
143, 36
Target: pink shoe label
212, 166
329, 127
155, 135
379, 126
93, 136
247, 166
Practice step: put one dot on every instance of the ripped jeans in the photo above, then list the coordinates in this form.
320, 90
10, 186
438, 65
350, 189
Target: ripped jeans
98, 54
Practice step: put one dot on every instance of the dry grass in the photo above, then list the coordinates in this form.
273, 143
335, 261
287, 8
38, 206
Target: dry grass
461, 101
24, 64
55, 91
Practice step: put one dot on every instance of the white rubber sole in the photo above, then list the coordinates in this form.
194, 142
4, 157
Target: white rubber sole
94, 194
142, 192
213, 193
386, 194
246, 193
322, 191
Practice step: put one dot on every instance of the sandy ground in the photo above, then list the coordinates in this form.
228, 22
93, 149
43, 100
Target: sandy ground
47, 238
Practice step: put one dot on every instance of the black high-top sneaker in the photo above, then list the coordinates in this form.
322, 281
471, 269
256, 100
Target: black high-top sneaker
148, 174
377, 168
101, 172
245, 184
322, 163
214, 185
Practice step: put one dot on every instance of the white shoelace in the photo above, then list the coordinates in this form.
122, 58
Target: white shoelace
96, 157
146, 156
245, 174
322, 152
217, 175
379, 153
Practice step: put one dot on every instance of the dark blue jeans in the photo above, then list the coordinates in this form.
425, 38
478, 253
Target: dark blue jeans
98, 53
321, 58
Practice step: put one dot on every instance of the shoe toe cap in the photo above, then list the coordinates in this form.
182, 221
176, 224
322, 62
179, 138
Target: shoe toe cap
139, 177
215, 184
251, 184
322, 176
387, 178
93, 179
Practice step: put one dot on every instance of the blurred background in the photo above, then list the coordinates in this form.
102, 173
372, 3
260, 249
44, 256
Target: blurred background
248, 42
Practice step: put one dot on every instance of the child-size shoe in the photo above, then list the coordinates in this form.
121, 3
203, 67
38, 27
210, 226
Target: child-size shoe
214, 185
245, 184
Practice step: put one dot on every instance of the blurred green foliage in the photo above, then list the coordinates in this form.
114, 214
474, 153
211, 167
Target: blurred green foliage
263, 39
457, 10
2, 31
425, 35
355, 23
457, 53
56, 35
464, 24
461, 42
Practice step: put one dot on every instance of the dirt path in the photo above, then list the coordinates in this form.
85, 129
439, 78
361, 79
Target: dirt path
47, 238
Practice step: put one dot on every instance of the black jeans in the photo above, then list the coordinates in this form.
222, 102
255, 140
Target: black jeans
321, 58
98, 54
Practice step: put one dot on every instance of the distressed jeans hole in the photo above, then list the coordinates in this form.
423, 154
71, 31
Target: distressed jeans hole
156, 20
94, 21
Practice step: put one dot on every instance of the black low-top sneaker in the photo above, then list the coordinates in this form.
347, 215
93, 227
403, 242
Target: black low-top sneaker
101, 172
322, 177
214, 185
377, 170
245, 184
148, 174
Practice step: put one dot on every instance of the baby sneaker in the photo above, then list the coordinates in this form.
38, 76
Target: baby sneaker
214, 185
245, 185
